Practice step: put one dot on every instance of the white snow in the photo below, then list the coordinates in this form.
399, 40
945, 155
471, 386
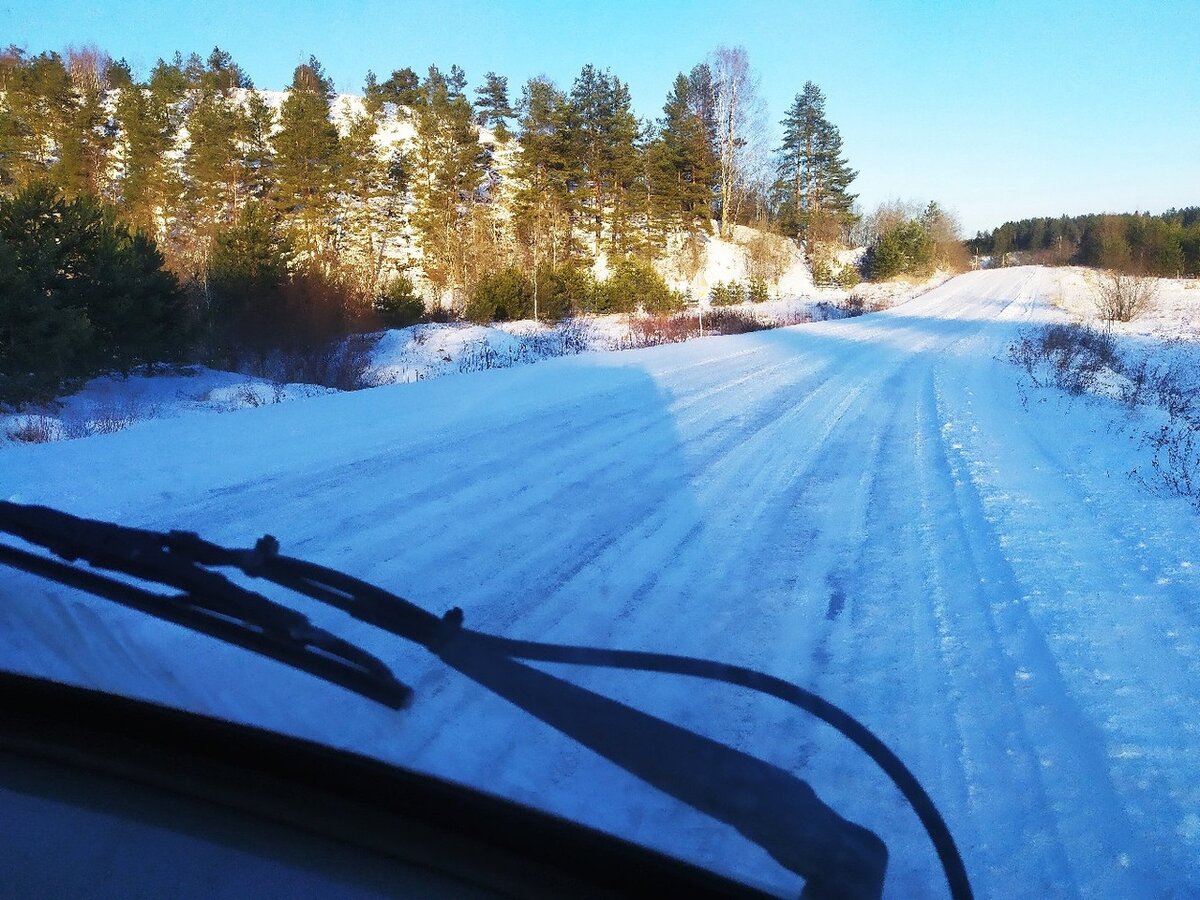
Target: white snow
112, 403
864, 507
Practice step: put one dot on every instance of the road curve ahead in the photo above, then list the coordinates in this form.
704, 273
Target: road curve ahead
872, 508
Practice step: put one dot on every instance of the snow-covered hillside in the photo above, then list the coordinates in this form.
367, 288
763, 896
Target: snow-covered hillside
865, 507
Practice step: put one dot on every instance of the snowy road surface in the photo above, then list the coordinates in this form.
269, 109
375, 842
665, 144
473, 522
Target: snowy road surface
864, 507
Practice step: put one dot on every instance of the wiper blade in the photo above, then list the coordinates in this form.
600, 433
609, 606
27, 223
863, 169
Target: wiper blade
768, 805
208, 602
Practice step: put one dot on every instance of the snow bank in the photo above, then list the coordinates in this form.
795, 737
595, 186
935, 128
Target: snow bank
111, 403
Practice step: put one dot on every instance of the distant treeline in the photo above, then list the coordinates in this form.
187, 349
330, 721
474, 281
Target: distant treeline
1167, 245
280, 222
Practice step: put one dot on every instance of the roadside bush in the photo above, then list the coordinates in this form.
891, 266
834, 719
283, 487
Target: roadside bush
726, 293
1070, 357
633, 283
35, 430
822, 273
399, 305
734, 321
768, 256
756, 292
1079, 360
81, 294
848, 278
651, 331
505, 296
1176, 461
854, 305
1122, 297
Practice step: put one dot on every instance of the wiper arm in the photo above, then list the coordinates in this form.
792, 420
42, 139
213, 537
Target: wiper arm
208, 603
768, 805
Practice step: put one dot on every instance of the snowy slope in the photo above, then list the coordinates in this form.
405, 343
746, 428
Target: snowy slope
861, 506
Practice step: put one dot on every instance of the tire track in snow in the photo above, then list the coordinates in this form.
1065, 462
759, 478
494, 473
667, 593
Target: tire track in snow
1032, 757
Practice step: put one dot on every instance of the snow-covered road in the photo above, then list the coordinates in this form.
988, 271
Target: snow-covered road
865, 507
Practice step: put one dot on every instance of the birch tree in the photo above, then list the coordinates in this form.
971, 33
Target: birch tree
739, 113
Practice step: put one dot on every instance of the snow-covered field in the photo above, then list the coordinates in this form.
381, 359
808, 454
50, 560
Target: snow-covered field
864, 507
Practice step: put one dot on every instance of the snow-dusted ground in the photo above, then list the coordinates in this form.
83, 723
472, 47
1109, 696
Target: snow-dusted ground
861, 506
1173, 314
112, 403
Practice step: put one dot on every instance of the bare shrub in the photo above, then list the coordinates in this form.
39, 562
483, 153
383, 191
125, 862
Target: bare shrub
854, 305
349, 366
1121, 297
34, 430
849, 308
109, 420
687, 260
1177, 458
248, 395
1070, 357
569, 337
792, 317
1078, 359
735, 321
650, 331
767, 257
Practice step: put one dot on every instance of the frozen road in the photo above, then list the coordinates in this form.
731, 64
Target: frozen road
870, 508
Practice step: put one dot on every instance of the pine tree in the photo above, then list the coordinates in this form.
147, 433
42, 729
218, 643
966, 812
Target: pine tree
214, 172
247, 273
80, 294
257, 152
149, 119
372, 202
39, 110
449, 169
402, 88
544, 205
87, 135
814, 177
605, 154
681, 165
702, 102
306, 163
492, 109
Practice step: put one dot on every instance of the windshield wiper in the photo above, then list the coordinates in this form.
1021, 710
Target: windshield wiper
769, 805
208, 602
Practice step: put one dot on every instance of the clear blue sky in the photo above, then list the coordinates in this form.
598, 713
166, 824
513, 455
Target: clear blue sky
998, 109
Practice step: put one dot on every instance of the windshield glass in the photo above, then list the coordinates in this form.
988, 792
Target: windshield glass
602, 371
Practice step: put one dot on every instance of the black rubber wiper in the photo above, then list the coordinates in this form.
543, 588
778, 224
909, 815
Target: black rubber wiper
208, 602
770, 806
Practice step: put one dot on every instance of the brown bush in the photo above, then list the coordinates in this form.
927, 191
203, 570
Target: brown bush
1121, 297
